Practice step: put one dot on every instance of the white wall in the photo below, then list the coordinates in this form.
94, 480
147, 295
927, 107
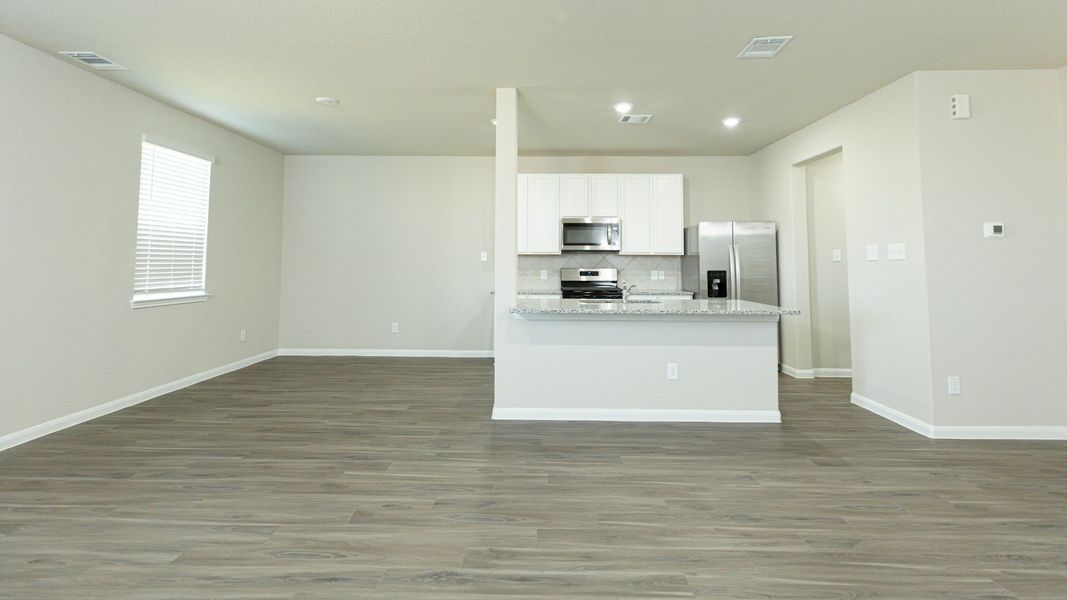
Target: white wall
69, 174
372, 240
830, 346
888, 300
716, 187
997, 314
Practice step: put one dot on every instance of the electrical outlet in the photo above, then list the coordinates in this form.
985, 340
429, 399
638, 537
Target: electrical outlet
672, 371
837, 255
661, 275
954, 385
655, 275
485, 256
244, 335
544, 274
872, 252
396, 327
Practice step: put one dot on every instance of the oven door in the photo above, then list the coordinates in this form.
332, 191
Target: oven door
589, 234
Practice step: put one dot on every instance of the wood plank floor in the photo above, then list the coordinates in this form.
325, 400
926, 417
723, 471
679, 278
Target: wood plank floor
320, 478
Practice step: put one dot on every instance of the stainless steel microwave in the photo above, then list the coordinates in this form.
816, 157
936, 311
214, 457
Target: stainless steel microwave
590, 234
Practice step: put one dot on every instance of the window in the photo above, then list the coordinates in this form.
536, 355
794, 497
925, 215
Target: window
171, 227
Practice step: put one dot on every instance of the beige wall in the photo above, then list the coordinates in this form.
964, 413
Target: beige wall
889, 318
996, 305
830, 346
69, 172
716, 187
372, 240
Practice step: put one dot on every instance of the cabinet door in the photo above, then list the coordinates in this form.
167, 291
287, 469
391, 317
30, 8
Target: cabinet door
523, 217
635, 213
574, 195
543, 200
604, 190
667, 214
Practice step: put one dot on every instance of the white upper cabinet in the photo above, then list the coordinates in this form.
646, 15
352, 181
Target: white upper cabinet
523, 216
650, 209
667, 214
604, 192
543, 210
574, 196
635, 214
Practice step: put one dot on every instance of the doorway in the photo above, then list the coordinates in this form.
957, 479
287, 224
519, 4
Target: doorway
831, 354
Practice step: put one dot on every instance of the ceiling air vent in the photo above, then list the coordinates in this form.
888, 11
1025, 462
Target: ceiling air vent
94, 60
635, 119
765, 47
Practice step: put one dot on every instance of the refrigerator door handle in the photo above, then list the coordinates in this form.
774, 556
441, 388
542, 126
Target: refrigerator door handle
731, 281
736, 253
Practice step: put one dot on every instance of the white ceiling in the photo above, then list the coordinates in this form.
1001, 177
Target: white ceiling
417, 76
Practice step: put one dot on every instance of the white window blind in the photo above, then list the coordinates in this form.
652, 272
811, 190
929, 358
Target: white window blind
172, 216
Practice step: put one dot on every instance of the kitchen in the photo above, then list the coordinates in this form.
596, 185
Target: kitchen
624, 341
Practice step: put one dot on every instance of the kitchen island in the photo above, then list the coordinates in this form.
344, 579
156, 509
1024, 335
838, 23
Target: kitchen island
671, 360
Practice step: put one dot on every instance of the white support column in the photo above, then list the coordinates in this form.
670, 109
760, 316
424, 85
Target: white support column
506, 262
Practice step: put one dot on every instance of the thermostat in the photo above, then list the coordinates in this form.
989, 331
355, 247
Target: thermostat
992, 230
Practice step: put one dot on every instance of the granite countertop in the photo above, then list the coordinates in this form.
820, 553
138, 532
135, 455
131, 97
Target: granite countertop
635, 292
711, 307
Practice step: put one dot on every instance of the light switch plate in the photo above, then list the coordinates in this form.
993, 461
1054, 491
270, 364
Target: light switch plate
872, 252
954, 385
544, 274
485, 256
672, 371
896, 251
837, 255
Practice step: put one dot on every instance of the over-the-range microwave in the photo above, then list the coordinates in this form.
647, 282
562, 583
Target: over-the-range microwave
590, 234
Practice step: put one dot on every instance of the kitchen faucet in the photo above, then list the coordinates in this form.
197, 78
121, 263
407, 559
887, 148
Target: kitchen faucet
626, 289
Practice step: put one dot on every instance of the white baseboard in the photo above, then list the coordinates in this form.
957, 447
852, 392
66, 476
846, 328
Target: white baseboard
636, 414
894, 415
31, 433
796, 373
832, 372
385, 352
963, 432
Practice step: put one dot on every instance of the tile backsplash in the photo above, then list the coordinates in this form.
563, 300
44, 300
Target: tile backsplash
632, 269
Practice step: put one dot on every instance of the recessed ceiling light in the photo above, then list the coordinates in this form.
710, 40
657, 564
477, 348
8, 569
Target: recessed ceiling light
623, 107
731, 122
328, 101
493, 121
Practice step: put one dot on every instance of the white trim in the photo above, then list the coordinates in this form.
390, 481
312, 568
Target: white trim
678, 415
147, 300
1000, 432
796, 373
177, 147
894, 415
42, 429
832, 372
963, 432
394, 352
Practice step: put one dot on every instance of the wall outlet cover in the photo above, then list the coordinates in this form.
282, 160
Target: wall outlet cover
872, 252
484, 256
672, 371
544, 273
954, 385
396, 328
837, 255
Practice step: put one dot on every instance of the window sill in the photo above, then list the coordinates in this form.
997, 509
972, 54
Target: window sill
150, 300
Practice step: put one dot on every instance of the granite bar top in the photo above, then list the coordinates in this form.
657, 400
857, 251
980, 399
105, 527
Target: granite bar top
686, 307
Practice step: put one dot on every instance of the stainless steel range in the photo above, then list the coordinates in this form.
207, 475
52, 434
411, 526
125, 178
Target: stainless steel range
590, 284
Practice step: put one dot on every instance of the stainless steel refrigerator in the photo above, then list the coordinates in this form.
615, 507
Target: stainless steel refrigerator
732, 259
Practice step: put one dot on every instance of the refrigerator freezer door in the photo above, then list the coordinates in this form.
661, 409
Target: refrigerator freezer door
714, 239
755, 248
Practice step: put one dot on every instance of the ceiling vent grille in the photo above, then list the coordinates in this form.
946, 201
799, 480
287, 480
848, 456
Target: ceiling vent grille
635, 119
94, 60
765, 47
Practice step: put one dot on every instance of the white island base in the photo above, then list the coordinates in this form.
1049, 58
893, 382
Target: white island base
562, 362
